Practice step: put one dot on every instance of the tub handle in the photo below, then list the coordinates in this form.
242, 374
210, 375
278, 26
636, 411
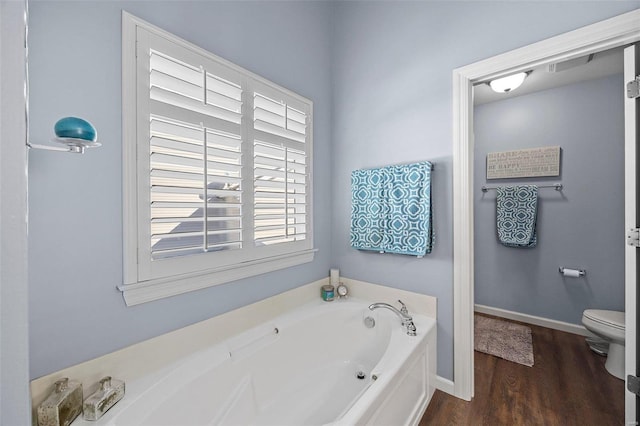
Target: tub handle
403, 308
411, 328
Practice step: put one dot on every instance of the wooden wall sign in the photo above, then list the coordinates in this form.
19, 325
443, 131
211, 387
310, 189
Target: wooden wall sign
534, 162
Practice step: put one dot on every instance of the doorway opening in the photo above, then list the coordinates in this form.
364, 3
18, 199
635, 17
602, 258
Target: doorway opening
563, 126
619, 31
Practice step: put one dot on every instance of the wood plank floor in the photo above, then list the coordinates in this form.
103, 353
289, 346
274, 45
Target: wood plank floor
568, 385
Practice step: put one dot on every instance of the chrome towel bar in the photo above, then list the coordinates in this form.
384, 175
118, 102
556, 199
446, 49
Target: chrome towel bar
556, 186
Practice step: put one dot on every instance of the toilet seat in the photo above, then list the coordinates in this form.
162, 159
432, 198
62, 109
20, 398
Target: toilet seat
613, 319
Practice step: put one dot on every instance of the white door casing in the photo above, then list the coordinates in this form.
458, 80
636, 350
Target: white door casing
15, 403
618, 31
631, 70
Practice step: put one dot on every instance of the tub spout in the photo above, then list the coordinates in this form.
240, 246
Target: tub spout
405, 318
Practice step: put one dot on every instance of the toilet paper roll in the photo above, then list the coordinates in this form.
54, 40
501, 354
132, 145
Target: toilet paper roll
571, 273
334, 277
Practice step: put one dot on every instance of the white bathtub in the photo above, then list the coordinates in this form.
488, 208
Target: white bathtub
298, 369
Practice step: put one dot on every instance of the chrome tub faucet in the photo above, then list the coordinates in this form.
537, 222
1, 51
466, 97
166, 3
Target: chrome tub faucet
403, 314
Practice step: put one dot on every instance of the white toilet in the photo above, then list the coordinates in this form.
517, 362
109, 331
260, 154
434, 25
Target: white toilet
608, 325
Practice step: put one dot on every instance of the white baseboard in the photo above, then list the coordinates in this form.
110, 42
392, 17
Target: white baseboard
531, 319
445, 385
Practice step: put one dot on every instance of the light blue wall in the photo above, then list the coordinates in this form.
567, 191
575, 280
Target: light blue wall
379, 74
582, 227
392, 104
75, 229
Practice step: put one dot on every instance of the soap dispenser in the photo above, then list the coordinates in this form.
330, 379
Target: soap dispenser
63, 405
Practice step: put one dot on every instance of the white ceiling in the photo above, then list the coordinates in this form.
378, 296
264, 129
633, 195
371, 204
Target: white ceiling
604, 63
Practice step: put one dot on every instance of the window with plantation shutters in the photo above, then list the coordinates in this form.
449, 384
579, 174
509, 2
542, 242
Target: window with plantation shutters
217, 167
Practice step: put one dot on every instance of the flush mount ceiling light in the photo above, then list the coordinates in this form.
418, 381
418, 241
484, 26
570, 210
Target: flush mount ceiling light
509, 83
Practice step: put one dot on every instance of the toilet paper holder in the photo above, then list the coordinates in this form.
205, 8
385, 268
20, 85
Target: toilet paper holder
572, 272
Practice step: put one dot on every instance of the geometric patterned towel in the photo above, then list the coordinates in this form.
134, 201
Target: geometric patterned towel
391, 209
516, 213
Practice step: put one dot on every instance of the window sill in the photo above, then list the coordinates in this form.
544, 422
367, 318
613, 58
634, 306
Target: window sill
147, 291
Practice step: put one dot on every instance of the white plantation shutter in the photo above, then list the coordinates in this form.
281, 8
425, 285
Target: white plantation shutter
178, 190
280, 167
278, 119
280, 213
195, 158
222, 169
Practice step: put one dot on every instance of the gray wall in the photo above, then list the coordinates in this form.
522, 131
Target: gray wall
379, 74
582, 227
75, 229
392, 104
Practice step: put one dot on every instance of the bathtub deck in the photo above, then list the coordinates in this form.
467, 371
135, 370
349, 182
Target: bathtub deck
568, 385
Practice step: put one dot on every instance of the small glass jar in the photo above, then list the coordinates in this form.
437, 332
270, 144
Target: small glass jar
328, 293
63, 405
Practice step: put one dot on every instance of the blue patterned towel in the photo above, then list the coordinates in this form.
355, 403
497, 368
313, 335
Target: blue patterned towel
391, 209
367, 209
516, 213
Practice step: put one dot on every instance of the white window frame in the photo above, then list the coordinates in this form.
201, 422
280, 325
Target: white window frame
145, 279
